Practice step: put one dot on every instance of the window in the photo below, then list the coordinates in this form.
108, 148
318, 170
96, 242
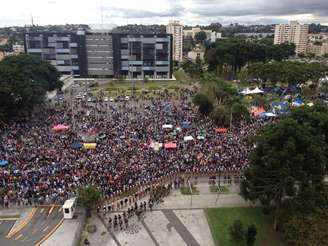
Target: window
66, 211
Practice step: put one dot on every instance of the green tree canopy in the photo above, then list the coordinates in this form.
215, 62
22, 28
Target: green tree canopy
89, 196
235, 53
200, 37
203, 102
24, 81
287, 160
290, 72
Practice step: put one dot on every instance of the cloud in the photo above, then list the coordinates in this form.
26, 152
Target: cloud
133, 13
189, 12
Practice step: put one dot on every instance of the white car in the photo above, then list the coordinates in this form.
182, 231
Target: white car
111, 99
89, 99
106, 99
127, 98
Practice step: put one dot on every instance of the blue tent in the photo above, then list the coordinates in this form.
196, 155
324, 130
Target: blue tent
185, 125
76, 145
3, 163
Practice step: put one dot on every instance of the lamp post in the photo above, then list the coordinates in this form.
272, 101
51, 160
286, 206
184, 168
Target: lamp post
190, 188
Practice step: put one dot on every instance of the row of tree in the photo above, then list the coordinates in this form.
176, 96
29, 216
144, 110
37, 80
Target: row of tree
230, 55
287, 71
24, 81
287, 173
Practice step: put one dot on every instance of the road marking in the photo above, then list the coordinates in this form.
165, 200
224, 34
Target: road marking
45, 228
18, 237
6, 219
51, 209
50, 233
41, 211
24, 223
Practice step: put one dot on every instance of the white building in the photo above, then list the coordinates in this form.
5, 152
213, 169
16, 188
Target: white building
18, 49
176, 29
210, 35
294, 33
198, 51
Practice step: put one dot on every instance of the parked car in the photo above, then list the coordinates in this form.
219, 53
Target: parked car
105, 99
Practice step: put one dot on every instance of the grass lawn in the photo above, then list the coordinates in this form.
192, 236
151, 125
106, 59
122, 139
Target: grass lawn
116, 87
220, 220
215, 188
186, 191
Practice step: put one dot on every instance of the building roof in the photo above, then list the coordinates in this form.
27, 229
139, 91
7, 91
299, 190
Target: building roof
69, 203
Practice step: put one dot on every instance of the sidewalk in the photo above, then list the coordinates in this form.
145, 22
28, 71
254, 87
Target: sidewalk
68, 234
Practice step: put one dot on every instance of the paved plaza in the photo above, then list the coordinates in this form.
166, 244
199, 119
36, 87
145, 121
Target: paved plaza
179, 220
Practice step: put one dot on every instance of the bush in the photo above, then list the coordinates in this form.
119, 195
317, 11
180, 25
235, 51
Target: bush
250, 235
236, 231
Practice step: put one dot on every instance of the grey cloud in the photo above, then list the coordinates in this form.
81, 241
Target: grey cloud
259, 7
174, 11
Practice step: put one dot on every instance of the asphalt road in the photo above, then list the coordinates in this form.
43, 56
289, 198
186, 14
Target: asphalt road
45, 219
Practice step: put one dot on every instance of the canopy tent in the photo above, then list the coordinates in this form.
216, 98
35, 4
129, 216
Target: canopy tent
267, 115
156, 145
257, 111
221, 130
297, 103
167, 126
60, 127
89, 138
188, 138
245, 91
185, 125
279, 107
256, 91
3, 163
76, 145
89, 145
170, 145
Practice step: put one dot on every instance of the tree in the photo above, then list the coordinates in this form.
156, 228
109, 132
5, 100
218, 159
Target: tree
288, 158
89, 196
200, 37
24, 81
203, 102
236, 231
250, 235
290, 72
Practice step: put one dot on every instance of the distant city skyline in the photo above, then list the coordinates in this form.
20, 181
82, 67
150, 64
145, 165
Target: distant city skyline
188, 12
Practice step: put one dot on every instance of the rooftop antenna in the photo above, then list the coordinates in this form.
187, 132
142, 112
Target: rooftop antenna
32, 20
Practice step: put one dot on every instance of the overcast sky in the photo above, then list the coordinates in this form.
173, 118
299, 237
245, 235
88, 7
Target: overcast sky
189, 12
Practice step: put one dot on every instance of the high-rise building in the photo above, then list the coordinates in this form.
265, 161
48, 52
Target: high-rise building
294, 33
176, 29
104, 54
66, 51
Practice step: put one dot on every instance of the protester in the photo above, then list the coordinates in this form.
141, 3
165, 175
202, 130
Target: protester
46, 166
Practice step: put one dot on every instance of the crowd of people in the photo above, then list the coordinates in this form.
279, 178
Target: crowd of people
48, 167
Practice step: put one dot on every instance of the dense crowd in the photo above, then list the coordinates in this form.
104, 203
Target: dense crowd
46, 166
